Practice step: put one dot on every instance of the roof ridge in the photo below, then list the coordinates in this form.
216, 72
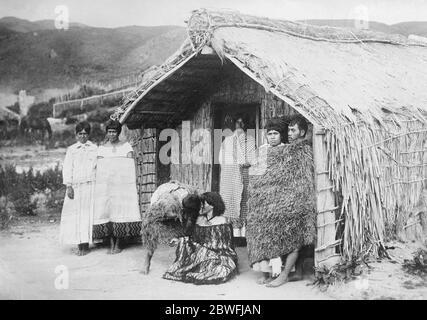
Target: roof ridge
203, 22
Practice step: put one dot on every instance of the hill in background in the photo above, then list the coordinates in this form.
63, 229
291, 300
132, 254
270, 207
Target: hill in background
38, 58
35, 56
404, 28
22, 25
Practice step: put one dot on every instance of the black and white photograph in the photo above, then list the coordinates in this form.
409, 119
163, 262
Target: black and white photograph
213, 150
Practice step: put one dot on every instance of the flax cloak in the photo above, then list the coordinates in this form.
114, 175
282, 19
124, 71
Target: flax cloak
282, 203
161, 222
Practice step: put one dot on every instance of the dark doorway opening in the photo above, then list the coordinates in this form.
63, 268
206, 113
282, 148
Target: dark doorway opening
222, 113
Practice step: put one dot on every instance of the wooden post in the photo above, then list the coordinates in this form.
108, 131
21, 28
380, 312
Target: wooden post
325, 253
257, 133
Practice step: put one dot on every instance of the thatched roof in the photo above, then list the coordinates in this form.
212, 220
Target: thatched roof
7, 115
367, 89
325, 73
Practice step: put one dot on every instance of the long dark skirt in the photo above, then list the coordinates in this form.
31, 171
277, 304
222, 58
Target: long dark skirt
206, 258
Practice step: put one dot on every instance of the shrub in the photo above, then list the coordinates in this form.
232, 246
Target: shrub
70, 120
99, 116
41, 110
6, 212
418, 264
55, 199
21, 188
341, 272
51, 179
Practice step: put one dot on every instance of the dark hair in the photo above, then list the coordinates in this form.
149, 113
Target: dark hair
113, 124
244, 118
191, 207
279, 125
215, 200
83, 125
230, 120
191, 202
301, 122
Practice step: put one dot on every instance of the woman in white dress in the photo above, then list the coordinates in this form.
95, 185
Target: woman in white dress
117, 213
79, 177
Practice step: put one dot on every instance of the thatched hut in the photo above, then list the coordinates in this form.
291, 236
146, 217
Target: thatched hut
8, 115
365, 94
9, 122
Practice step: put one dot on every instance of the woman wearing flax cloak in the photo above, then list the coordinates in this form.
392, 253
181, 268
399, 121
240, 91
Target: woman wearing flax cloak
235, 155
117, 213
281, 216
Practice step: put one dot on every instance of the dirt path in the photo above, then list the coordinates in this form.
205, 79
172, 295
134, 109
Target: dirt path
29, 255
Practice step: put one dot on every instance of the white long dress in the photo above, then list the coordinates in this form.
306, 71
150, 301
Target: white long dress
77, 214
117, 210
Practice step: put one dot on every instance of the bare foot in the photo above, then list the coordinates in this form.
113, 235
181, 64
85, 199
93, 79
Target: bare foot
268, 280
144, 271
148, 254
145, 267
265, 278
280, 280
295, 277
83, 252
116, 250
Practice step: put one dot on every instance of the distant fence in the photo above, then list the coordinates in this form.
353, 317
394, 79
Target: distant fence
107, 86
81, 104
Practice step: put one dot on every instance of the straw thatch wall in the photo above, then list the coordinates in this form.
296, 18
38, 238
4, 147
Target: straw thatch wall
144, 143
197, 175
367, 90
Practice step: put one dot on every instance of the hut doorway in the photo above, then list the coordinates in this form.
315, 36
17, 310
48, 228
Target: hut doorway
221, 113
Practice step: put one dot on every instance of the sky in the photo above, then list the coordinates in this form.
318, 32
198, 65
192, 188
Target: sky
115, 13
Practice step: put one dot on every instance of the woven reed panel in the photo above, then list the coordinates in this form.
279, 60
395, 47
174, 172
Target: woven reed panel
147, 175
197, 175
